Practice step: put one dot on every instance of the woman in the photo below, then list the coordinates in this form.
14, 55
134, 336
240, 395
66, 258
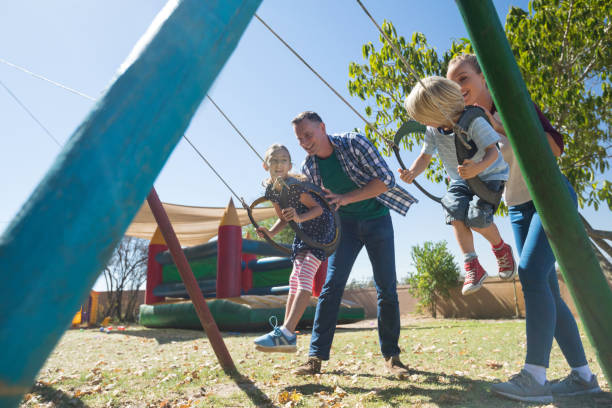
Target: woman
546, 314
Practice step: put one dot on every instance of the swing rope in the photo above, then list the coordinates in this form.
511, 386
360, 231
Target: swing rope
29, 112
456, 128
313, 189
91, 98
390, 143
235, 128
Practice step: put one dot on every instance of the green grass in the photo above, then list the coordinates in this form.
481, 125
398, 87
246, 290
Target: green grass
452, 362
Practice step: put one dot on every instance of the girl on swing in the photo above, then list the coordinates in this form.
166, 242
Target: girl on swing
315, 220
464, 210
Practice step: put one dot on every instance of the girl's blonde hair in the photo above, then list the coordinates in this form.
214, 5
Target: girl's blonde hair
424, 105
467, 58
277, 148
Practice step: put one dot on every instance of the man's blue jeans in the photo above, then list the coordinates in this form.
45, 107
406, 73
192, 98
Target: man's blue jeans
377, 236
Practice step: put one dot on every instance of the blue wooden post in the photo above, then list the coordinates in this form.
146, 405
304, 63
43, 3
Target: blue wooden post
53, 251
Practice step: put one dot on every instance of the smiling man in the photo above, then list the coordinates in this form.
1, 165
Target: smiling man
359, 184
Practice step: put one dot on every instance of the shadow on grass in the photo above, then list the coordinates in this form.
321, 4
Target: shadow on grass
340, 329
452, 390
48, 394
257, 396
163, 336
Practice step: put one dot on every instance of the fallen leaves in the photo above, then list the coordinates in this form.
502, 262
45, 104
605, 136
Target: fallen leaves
289, 399
496, 365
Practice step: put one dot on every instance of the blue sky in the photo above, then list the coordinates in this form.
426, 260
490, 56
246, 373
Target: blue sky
261, 88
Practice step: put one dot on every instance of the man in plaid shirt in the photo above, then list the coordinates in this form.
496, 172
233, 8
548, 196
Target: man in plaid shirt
361, 187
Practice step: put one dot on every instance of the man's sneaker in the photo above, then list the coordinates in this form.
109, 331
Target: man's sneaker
505, 261
311, 367
276, 341
523, 387
475, 275
395, 366
573, 384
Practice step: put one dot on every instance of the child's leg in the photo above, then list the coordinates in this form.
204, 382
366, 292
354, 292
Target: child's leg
475, 275
490, 233
305, 273
480, 219
464, 237
302, 300
293, 283
502, 251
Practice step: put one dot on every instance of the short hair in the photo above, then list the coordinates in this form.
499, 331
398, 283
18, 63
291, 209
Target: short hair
469, 58
310, 115
441, 100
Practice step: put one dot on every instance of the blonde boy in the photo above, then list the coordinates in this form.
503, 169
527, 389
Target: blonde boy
433, 105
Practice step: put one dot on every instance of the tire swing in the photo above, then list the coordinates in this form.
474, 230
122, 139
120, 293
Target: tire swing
310, 188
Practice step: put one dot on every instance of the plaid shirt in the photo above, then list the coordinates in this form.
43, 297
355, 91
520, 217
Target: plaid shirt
362, 163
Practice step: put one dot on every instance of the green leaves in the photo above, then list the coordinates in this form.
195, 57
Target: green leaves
564, 51
436, 272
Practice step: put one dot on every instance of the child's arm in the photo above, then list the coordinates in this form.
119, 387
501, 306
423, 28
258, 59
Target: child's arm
278, 225
314, 210
470, 169
417, 167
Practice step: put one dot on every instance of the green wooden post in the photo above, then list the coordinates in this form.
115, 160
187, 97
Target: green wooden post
560, 219
52, 252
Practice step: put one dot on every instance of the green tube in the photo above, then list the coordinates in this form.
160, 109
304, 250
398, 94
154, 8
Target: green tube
552, 200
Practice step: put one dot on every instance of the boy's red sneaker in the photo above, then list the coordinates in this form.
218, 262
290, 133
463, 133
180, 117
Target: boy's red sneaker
505, 260
475, 275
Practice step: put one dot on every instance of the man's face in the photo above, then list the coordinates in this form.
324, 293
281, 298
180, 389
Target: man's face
311, 136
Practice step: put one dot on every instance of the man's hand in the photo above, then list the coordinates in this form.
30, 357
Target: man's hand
335, 200
289, 214
468, 169
407, 176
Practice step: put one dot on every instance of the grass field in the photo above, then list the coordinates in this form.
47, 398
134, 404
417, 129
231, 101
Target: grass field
452, 362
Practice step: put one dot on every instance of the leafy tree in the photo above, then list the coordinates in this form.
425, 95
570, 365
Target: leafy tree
285, 236
564, 52
436, 272
124, 274
565, 69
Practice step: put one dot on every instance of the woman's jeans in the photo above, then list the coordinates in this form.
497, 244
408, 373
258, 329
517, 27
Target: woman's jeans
546, 314
377, 236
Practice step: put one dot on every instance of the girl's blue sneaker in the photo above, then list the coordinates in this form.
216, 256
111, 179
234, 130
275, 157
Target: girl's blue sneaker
276, 341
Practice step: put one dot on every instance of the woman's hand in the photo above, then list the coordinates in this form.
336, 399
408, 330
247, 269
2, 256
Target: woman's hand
497, 125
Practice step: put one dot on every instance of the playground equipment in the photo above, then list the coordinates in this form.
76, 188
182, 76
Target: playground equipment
88, 313
96, 184
242, 290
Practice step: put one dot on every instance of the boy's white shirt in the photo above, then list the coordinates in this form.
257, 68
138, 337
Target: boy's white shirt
483, 134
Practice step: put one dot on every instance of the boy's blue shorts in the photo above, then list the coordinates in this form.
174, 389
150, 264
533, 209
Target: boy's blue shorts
461, 204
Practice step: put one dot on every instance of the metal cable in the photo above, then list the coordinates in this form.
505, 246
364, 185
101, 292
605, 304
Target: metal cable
368, 123
401, 56
31, 114
47, 80
214, 171
41, 77
235, 128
